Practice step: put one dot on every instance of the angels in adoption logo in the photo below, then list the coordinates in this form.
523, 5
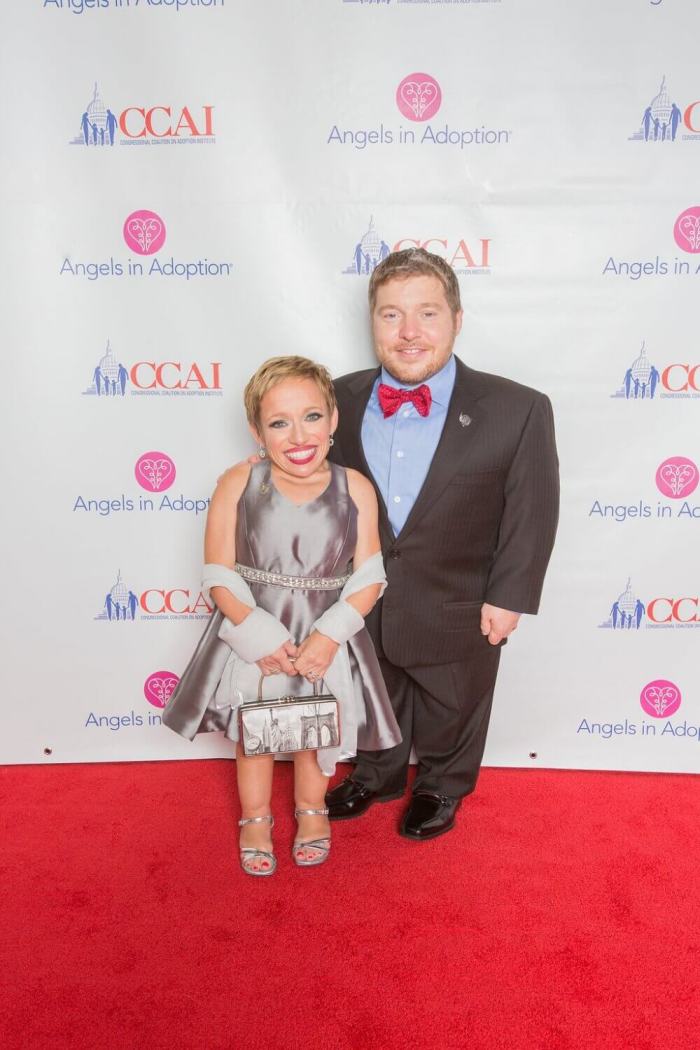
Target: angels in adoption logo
676, 479
112, 380
157, 125
153, 471
663, 120
81, 7
122, 603
659, 700
628, 612
418, 98
686, 236
465, 255
144, 232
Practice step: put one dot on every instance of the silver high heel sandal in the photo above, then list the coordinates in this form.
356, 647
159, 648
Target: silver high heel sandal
322, 845
248, 854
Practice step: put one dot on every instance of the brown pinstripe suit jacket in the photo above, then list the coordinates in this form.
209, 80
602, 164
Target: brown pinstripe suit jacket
482, 527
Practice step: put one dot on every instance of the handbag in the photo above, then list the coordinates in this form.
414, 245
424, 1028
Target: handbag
289, 723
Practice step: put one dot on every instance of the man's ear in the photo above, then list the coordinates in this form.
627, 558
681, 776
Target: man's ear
458, 321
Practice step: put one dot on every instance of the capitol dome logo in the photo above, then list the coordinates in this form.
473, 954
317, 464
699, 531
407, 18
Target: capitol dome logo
159, 687
370, 250
660, 698
677, 477
641, 379
120, 604
687, 230
155, 471
418, 96
144, 232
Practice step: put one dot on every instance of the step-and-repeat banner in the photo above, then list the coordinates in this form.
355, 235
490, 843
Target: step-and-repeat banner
191, 186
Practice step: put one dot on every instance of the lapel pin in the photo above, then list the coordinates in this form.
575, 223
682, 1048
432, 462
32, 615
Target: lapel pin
464, 419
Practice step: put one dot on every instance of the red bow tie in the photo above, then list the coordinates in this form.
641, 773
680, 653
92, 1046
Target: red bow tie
391, 399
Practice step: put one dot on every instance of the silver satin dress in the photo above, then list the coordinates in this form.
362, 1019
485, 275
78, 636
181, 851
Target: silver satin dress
313, 539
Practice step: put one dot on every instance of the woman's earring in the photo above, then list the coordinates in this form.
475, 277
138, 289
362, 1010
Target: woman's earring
331, 441
262, 452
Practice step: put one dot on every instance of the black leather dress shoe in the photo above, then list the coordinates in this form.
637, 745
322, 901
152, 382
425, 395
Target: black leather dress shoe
352, 799
429, 816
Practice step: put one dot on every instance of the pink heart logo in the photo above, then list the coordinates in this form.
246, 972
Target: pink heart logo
677, 476
686, 230
155, 471
660, 698
690, 229
418, 96
144, 232
159, 687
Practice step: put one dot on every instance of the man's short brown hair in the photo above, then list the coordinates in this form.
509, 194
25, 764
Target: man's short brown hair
410, 262
274, 371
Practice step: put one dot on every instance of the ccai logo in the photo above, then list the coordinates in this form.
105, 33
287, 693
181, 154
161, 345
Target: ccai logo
143, 125
112, 379
677, 477
144, 232
159, 687
629, 613
686, 230
660, 698
464, 257
155, 471
121, 603
418, 96
643, 381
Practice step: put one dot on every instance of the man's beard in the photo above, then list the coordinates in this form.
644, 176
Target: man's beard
429, 369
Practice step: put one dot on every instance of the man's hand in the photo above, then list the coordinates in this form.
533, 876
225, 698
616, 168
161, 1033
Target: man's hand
281, 661
497, 624
315, 656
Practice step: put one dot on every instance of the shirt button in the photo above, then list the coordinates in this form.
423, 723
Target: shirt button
399, 455
397, 499
406, 414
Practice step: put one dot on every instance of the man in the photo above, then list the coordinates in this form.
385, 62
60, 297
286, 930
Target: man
465, 467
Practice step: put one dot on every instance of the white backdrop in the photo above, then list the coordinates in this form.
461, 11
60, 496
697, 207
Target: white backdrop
186, 186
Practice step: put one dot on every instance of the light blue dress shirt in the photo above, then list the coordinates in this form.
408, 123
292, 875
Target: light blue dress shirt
400, 449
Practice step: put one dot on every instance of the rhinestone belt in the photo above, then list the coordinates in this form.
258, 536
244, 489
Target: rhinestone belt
304, 583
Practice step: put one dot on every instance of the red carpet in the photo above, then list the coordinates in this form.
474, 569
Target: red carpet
562, 913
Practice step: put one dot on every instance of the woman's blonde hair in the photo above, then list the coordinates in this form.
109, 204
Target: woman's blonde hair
277, 369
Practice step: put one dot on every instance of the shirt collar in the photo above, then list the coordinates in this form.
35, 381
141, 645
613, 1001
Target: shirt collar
441, 384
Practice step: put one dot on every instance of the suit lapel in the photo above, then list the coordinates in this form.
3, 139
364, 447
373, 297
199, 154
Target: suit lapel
454, 444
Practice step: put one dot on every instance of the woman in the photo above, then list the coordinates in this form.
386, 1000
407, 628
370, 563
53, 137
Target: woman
293, 566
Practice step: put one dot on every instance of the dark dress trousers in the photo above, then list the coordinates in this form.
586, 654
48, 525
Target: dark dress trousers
481, 530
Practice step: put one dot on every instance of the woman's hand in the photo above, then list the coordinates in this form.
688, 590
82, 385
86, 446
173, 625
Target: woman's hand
281, 661
315, 656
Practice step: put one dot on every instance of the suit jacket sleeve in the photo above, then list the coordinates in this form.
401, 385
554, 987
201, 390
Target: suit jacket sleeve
530, 515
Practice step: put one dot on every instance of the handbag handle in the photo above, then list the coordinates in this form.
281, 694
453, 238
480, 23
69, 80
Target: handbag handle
315, 686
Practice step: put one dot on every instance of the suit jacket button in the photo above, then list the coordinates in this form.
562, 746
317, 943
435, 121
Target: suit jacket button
394, 553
